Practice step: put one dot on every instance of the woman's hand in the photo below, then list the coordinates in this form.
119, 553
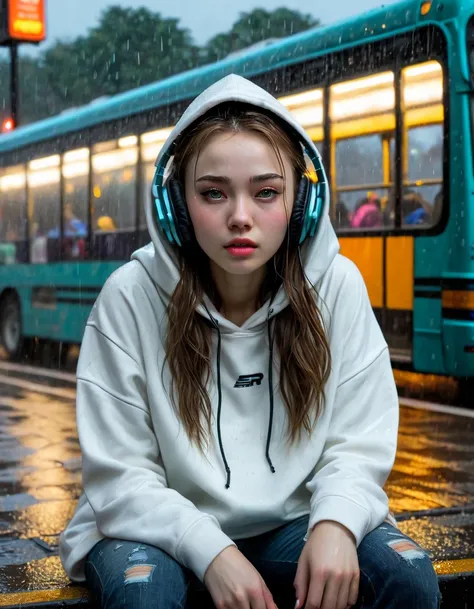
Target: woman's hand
328, 569
234, 583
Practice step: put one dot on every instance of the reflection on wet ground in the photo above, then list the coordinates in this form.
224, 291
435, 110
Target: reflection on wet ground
434, 467
40, 482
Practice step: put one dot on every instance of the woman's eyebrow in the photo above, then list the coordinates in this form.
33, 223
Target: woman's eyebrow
266, 176
209, 178
224, 179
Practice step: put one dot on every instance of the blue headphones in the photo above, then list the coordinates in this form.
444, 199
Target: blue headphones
174, 221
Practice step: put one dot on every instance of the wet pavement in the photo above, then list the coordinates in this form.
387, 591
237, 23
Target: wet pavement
431, 490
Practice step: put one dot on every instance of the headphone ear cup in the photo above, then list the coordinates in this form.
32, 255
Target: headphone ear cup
299, 211
183, 224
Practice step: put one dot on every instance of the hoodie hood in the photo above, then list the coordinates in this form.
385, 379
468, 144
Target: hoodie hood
160, 259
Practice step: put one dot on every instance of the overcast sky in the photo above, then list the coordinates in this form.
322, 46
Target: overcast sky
204, 18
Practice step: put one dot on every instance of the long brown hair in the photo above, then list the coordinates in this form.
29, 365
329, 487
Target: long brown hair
300, 337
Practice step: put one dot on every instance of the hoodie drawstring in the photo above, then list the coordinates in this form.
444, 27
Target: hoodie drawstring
215, 323
270, 389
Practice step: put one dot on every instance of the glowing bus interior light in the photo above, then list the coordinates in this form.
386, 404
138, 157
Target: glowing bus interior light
97, 192
82, 154
156, 136
308, 116
423, 93
42, 178
127, 142
44, 163
15, 181
425, 68
301, 99
363, 83
150, 152
371, 103
118, 159
75, 170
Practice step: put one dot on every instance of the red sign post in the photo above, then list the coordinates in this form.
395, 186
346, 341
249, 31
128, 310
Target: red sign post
20, 21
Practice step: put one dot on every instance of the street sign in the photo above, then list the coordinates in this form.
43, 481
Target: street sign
22, 21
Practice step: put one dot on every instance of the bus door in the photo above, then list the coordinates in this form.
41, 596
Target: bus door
362, 123
415, 254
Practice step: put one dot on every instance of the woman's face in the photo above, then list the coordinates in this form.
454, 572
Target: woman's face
235, 191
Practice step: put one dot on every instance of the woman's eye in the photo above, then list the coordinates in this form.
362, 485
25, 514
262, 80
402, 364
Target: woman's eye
267, 193
213, 194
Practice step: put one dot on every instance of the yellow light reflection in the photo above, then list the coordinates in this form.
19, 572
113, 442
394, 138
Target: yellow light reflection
369, 82
74, 170
301, 99
44, 163
425, 8
118, 159
306, 107
429, 67
13, 181
42, 178
127, 142
52, 463
370, 103
150, 152
159, 135
81, 154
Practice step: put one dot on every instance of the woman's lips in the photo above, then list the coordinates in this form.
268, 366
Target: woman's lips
240, 250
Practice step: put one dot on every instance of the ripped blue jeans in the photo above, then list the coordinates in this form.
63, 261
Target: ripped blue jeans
395, 573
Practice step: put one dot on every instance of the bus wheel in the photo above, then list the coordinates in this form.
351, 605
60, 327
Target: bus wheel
10, 326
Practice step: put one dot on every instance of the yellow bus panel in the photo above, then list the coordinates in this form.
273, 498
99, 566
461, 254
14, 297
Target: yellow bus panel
367, 254
399, 269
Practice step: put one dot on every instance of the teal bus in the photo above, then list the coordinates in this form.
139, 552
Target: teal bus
388, 99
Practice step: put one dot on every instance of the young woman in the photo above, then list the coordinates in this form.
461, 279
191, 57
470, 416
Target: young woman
236, 407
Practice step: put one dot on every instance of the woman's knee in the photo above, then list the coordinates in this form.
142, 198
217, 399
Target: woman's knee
396, 572
414, 584
137, 576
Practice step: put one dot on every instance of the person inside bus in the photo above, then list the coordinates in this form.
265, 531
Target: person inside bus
415, 210
39, 243
367, 213
236, 406
73, 226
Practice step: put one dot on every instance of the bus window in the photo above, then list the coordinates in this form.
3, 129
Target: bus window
114, 167
43, 178
423, 119
308, 110
76, 202
151, 143
362, 114
12, 213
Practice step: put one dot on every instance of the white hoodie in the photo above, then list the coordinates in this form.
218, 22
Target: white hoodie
143, 479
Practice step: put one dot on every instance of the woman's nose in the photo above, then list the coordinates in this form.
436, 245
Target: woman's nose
241, 212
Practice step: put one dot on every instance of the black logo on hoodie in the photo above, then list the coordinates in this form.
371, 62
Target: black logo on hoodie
248, 380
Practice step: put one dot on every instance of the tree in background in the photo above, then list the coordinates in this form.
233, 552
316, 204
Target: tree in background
256, 26
130, 48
